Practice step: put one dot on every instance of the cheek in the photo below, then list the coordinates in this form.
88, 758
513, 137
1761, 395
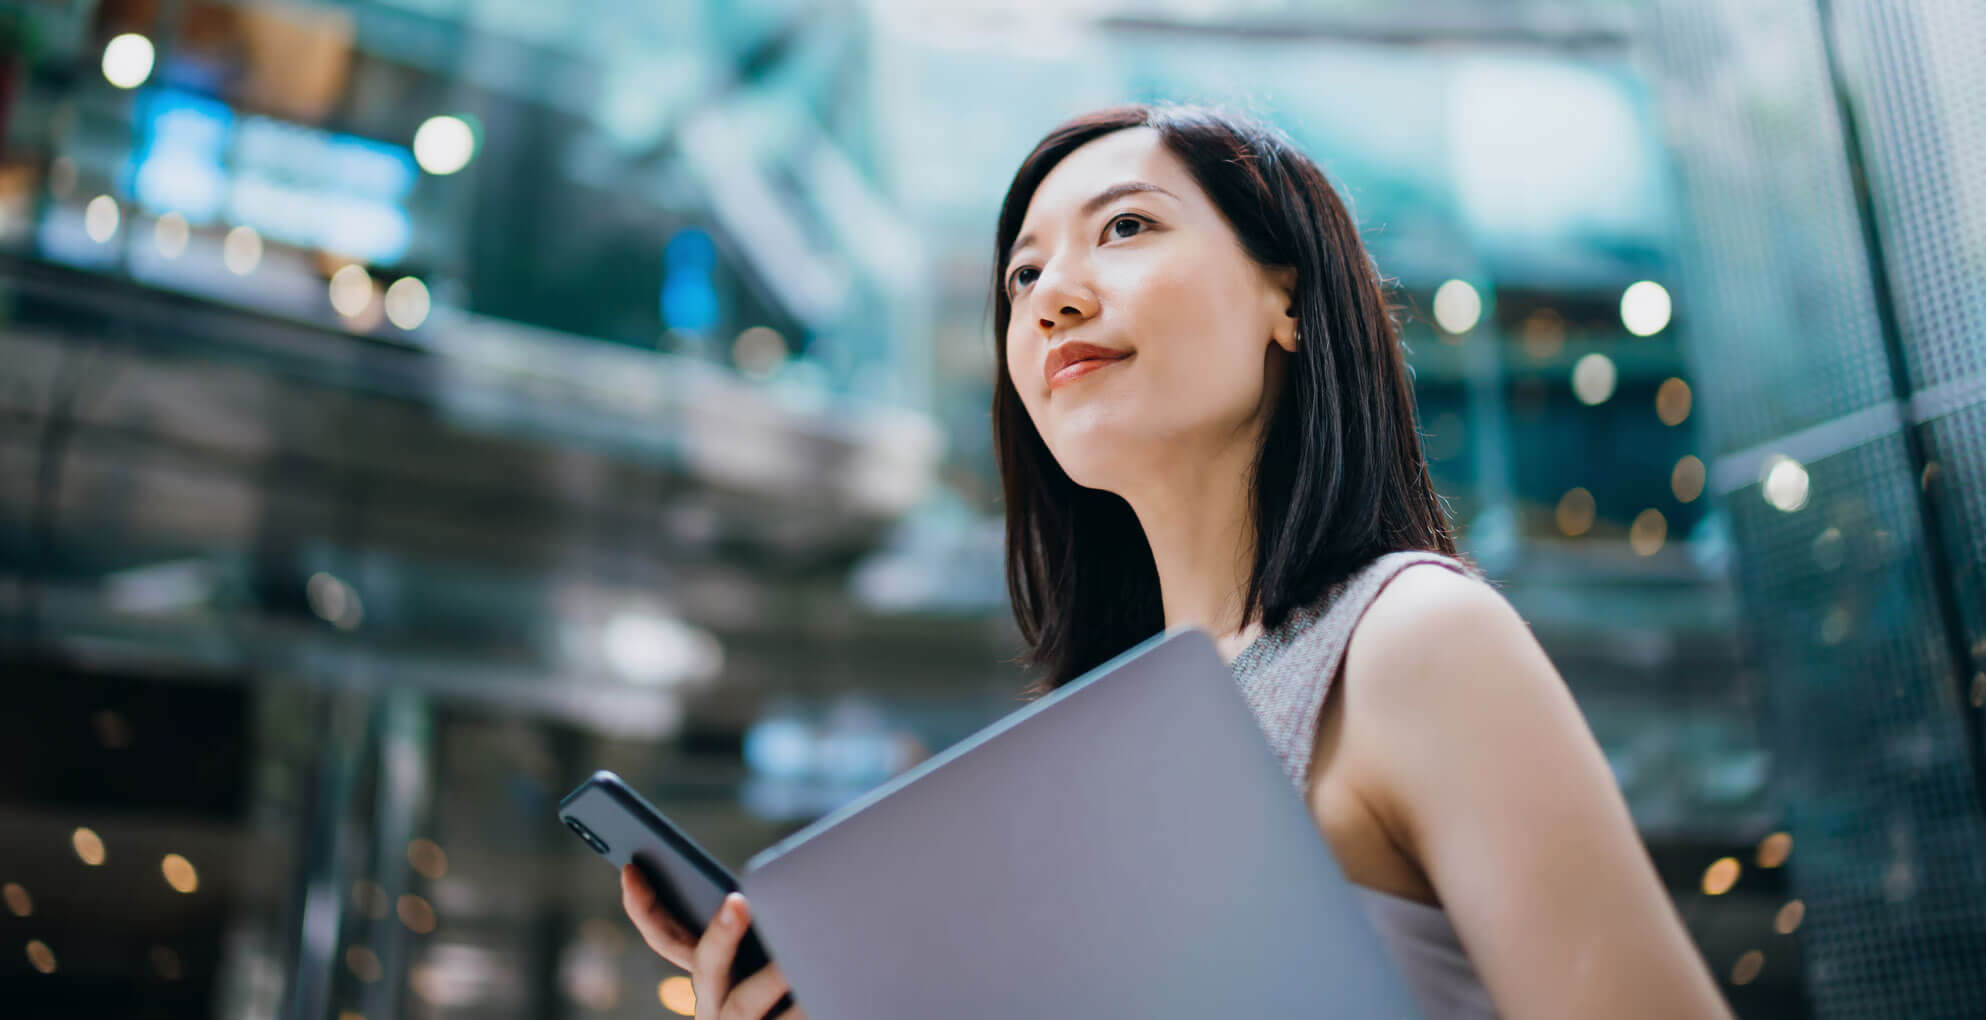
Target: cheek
1023, 368
1205, 359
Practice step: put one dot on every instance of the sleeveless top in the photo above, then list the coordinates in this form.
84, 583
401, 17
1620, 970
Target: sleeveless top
1285, 674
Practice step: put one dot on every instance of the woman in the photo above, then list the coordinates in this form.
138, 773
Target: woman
1204, 419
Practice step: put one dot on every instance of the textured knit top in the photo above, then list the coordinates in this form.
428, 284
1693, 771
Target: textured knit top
1285, 674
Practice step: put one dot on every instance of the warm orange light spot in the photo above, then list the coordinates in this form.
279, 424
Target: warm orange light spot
179, 873
677, 996
1721, 876
1772, 850
416, 914
89, 846
427, 858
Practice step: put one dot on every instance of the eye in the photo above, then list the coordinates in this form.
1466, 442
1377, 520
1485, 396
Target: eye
1016, 282
1111, 229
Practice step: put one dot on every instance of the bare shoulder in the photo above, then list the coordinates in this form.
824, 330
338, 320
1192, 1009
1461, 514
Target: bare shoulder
1475, 755
1427, 613
1441, 661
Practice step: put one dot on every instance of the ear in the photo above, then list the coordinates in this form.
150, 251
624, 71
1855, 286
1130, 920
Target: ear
1281, 298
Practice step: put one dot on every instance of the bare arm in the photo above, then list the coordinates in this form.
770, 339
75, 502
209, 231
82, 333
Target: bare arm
1495, 786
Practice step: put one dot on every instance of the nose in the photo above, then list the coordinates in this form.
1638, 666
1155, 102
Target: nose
1061, 301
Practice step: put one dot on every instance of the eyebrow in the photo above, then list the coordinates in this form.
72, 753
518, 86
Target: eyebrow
1098, 201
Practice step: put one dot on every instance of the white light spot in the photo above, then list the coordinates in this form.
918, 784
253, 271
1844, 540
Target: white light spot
334, 601
351, 290
1645, 308
100, 219
242, 250
444, 145
407, 302
127, 60
171, 233
759, 351
1784, 483
1593, 379
1457, 307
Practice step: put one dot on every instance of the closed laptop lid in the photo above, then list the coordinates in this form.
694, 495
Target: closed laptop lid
1126, 846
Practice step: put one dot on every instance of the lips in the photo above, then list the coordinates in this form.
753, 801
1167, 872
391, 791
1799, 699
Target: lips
1074, 360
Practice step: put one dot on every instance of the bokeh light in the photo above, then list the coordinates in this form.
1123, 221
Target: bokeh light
351, 290
1457, 307
1721, 876
759, 351
1745, 971
416, 913
100, 219
127, 60
40, 957
1648, 532
1774, 849
241, 251
1672, 401
1686, 481
407, 303
1543, 334
334, 601
1784, 483
165, 963
19, 903
370, 898
677, 995
1575, 512
1593, 378
171, 234
444, 145
89, 846
364, 964
427, 858
179, 873
1645, 308
1787, 921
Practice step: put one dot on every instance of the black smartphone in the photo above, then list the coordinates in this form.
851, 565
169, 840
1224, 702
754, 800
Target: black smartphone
623, 827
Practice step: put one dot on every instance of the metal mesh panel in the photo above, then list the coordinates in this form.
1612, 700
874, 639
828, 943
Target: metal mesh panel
1793, 340
1918, 74
1870, 753
1847, 590
1957, 486
1919, 80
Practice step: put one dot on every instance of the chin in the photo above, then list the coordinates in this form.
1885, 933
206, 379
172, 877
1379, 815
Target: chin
1099, 456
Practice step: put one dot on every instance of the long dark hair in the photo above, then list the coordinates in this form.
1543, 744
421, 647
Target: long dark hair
1340, 477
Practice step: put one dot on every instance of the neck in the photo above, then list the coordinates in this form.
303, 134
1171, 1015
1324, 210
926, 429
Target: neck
1196, 517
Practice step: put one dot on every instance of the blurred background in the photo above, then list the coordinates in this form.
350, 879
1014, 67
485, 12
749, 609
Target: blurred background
410, 406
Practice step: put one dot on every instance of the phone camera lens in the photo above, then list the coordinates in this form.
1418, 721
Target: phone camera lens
599, 845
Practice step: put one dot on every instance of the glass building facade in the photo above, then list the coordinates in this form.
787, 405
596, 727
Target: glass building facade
410, 406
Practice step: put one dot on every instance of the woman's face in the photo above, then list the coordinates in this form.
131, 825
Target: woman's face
1121, 249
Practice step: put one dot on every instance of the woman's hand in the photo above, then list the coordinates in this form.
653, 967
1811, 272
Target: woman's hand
708, 960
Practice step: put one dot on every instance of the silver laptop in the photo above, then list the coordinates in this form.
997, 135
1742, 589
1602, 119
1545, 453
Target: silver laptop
1127, 846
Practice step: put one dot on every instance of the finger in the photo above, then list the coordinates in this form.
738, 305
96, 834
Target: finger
662, 933
711, 975
756, 994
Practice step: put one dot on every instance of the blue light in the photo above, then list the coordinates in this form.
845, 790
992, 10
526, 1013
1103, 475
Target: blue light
296, 184
690, 251
689, 302
177, 167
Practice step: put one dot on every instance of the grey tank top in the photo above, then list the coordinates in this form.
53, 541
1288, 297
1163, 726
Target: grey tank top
1285, 674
